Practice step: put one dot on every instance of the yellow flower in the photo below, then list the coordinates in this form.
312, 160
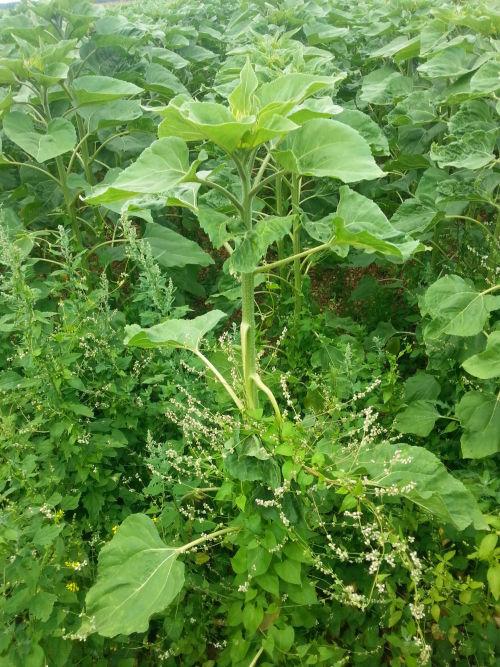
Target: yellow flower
114, 529
72, 586
73, 564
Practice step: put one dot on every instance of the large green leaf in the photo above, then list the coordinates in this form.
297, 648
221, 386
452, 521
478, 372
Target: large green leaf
479, 415
184, 334
383, 86
159, 168
457, 307
450, 63
418, 418
421, 477
102, 114
367, 128
198, 121
413, 216
138, 576
472, 150
487, 78
161, 80
59, 138
486, 364
323, 147
89, 88
171, 249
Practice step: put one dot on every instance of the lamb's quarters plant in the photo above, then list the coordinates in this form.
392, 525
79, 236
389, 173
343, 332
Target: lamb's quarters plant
318, 522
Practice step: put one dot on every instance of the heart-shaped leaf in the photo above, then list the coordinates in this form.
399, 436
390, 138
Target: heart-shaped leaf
323, 147
183, 334
457, 307
171, 249
479, 415
89, 88
138, 576
421, 477
486, 364
59, 138
159, 168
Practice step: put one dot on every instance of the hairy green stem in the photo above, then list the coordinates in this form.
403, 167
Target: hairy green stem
281, 211
68, 200
265, 268
297, 273
248, 325
247, 332
206, 538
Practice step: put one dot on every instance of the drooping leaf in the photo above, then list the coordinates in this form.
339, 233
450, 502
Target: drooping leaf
487, 78
367, 128
345, 235
184, 334
160, 167
323, 147
479, 415
161, 80
359, 222
486, 364
171, 249
255, 243
214, 224
285, 92
472, 116
90, 88
138, 576
401, 48
59, 138
363, 214
421, 477
316, 107
322, 33
413, 216
102, 114
457, 307
493, 577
